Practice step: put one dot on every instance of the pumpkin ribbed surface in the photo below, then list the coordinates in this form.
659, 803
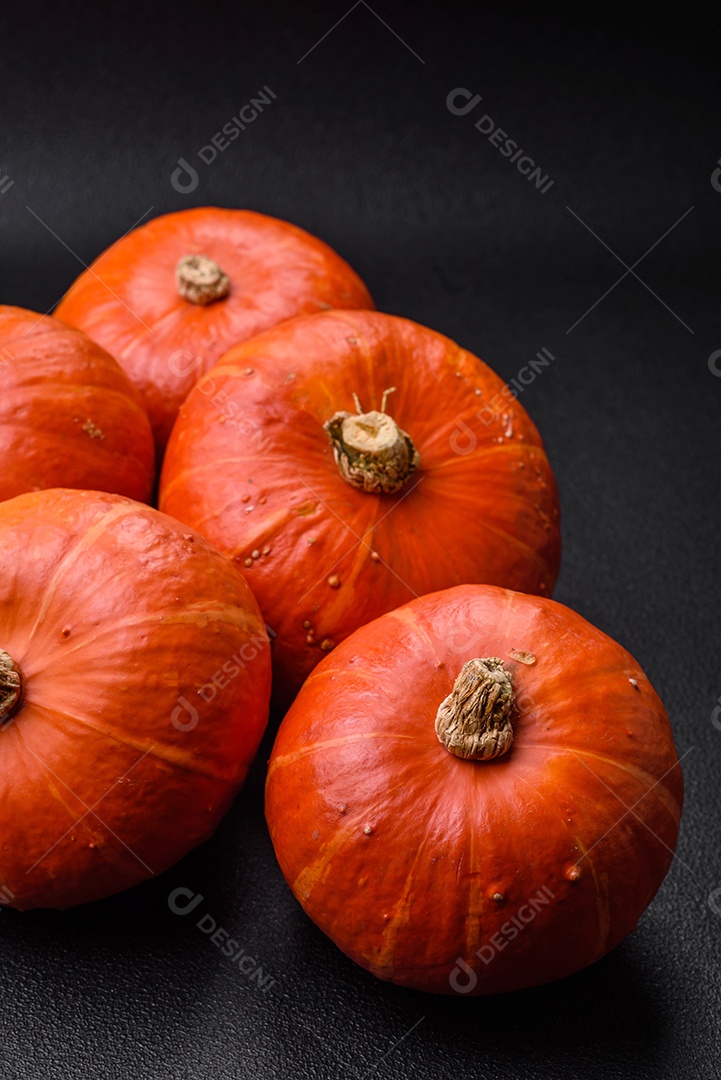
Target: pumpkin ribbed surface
144, 673
267, 457
68, 415
452, 875
166, 322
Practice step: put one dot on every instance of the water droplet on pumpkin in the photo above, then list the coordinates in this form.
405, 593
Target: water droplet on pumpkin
65, 632
498, 897
307, 624
247, 562
508, 426
375, 556
308, 507
522, 656
266, 550
327, 644
573, 873
368, 830
246, 499
255, 554
310, 638
342, 808
477, 392
249, 371
334, 581
249, 509
634, 683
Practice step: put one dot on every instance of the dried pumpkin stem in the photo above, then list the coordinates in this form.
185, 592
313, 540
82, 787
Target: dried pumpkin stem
200, 280
11, 685
474, 721
371, 451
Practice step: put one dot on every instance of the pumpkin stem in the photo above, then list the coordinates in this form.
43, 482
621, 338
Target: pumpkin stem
11, 685
200, 280
474, 721
372, 453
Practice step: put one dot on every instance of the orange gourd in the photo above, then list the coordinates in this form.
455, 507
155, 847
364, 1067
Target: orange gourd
475, 793
338, 517
68, 415
172, 296
134, 687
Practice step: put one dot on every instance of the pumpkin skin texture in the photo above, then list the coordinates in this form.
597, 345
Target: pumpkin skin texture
68, 415
415, 862
113, 764
128, 299
250, 466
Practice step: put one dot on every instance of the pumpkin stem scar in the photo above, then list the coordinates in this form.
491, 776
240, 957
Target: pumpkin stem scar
200, 280
372, 453
474, 721
11, 686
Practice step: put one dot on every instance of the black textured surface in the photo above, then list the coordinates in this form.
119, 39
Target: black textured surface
360, 148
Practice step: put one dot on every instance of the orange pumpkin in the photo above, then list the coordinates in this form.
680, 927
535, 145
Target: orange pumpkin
172, 296
134, 687
475, 793
68, 415
338, 517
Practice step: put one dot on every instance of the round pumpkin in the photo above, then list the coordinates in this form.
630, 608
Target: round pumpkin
475, 793
134, 687
68, 415
172, 296
350, 461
